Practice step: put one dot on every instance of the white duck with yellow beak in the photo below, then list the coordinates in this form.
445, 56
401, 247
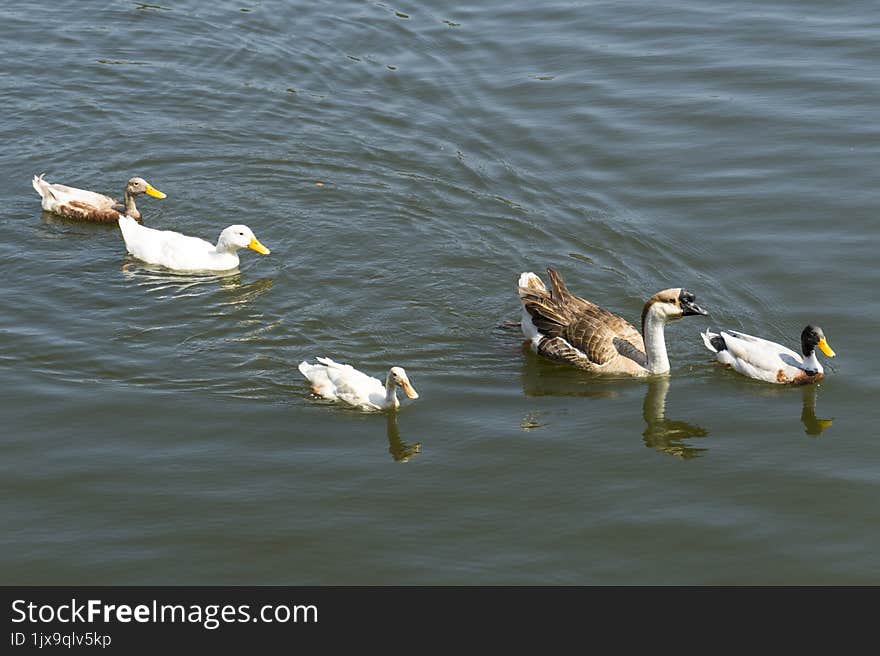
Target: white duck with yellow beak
342, 382
764, 360
182, 253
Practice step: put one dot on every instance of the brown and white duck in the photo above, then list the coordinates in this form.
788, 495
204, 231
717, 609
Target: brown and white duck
91, 206
564, 327
764, 360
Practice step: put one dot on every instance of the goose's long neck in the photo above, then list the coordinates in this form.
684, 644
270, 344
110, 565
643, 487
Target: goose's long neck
391, 392
655, 342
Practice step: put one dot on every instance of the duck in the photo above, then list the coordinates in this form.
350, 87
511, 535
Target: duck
342, 382
764, 360
563, 327
81, 204
183, 253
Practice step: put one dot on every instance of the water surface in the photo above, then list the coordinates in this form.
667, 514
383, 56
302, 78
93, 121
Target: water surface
405, 164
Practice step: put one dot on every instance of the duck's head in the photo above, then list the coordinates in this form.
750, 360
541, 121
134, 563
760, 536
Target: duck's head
672, 304
811, 337
240, 236
138, 186
398, 376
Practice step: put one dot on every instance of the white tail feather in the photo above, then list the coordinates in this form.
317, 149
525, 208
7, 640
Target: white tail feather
306, 369
42, 187
529, 282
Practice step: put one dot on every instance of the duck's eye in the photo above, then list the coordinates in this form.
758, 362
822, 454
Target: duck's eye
241, 234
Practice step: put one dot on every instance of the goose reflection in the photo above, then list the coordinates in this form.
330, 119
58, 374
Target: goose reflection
399, 450
667, 435
812, 424
540, 378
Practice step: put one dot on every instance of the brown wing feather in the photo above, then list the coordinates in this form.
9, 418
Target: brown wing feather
81, 210
588, 334
548, 316
562, 295
558, 349
598, 334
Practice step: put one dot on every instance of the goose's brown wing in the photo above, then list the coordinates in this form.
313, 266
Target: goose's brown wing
597, 332
577, 331
557, 348
549, 317
591, 334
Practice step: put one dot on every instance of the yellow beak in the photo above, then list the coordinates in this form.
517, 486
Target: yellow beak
409, 390
255, 245
155, 193
827, 350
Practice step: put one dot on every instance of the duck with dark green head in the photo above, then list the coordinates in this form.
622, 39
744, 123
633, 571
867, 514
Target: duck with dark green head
764, 360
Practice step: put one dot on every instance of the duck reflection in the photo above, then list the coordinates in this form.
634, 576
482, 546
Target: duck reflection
244, 294
165, 282
399, 450
812, 424
667, 435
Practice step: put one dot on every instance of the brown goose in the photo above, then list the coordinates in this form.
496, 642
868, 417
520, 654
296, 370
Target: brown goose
81, 204
567, 328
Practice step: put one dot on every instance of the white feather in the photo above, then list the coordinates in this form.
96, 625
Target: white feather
342, 382
183, 253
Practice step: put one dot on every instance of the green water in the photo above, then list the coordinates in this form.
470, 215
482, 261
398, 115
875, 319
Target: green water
404, 164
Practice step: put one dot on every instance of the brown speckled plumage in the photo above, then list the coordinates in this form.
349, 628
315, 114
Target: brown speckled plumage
582, 333
79, 210
800, 378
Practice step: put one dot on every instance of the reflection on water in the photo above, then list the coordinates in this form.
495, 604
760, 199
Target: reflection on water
169, 283
399, 450
667, 435
531, 422
543, 378
244, 294
664, 434
812, 424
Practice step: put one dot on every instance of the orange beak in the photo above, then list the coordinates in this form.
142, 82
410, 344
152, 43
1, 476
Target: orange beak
409, 390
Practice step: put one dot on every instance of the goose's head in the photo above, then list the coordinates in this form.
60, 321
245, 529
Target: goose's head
672, 304
398, 376
138, 186
811, 337
240, 236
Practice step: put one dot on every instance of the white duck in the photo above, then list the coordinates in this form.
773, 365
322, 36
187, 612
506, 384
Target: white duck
342, 382
176, 251
765, 360
82, 204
